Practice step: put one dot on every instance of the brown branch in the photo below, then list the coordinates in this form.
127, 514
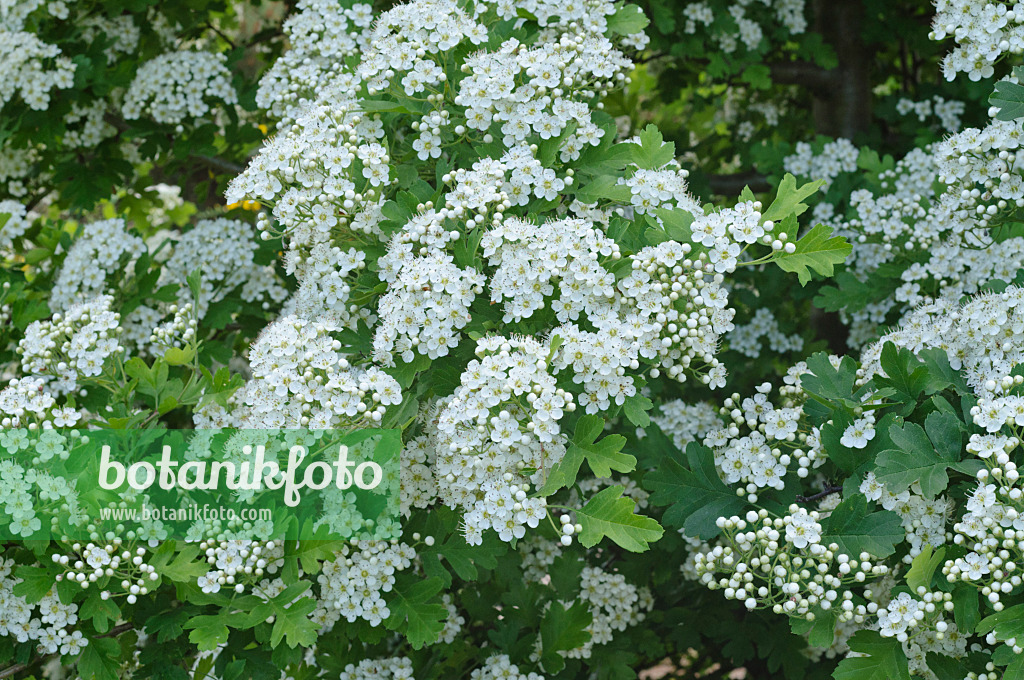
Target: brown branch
732, 185
829, 490
819, 81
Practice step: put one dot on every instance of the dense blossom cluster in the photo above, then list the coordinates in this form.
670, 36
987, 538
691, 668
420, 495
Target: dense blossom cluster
352, 586
782, 563
102, 249
983, 32
835, 157
49, 622
179, 86
300, 379
72, 346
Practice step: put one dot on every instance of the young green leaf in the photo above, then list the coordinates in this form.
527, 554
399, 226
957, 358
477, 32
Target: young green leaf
609, 514
884, 659
817, 250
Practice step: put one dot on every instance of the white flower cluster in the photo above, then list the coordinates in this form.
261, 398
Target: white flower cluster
837, 156
72, 345
780, 562
15, 166
352, 585
746, 339
222, 250
777, 439
321, 34
948, 111
14, 221
923, 519
179, 86
392, 668
300, 379
101, 250
789, 14
686, 423
615, 605
500, 667
233, 562
26, 403
497, 434
418, 485
49, 626
31, 69
86, 125
29, 492
983, 32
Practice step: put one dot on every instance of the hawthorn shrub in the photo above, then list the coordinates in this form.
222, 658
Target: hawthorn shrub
453, 222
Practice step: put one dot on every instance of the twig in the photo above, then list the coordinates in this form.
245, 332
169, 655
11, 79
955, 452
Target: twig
829, 490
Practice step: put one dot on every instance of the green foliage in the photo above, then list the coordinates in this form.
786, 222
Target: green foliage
608, 514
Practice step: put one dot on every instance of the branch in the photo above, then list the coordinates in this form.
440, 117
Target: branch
818, 80
829, 490
732, 185
220, 164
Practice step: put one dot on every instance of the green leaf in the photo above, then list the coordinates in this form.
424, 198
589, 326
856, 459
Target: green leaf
821, 632
604, 187
610, 514
636, 408
922, 454
100, 659
652, 152
922, 569
412, 614
856, 529
35, 582
817, 250
101, 611
1009, 97
789, 200
602, 457
966, 608
628, 20
1006, 624
184, 567
292, 623
697, 496
885, 659
209, 636
677, 223
563, 629
905, 373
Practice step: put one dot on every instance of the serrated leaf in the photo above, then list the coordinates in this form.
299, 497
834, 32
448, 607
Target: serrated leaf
602, 456
922, 569
697, 496
1006, 624
636, 409
885, 659
966, 608
921, 454
610, 514
789, 199
412, 613
1009, 97
100, 660
652, 152
856, 529
563, 629
817, 250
